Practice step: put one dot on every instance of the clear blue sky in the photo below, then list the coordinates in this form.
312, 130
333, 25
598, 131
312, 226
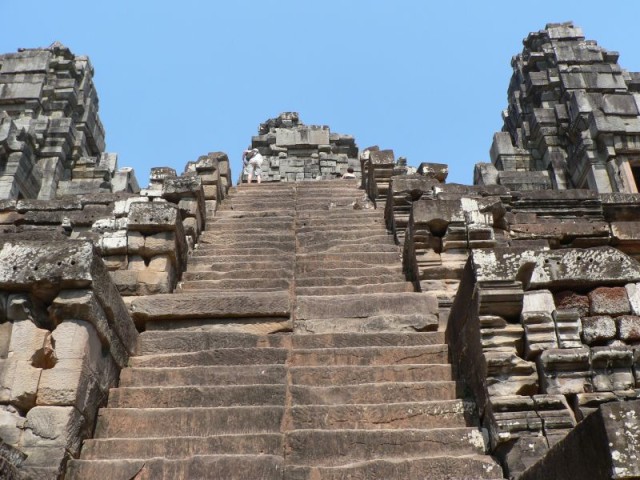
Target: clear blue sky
427, 79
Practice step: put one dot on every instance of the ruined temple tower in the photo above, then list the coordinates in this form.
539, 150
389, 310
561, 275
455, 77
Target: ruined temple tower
391, 326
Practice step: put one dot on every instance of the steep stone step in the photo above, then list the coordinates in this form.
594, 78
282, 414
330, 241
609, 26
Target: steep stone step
227, 266
221, 356
250, 205
395, 287
387, 416
318, 244
424, 354
183, 447
341, 340
196, 396
468, 467
253, 226
237, 218
355, 221
210, 305
213, 237
356, 375
324, 279
389, 323
353, 232
186, 422
239, 274
234, 260
203, 375
176, 341
255, 285
340, 235
364, 305
347, 248
312, 268
364, 258
374, 393
248, 248
342, 447
228, 467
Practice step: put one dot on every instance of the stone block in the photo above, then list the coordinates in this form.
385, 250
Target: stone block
162, 263
153, 217
5, 338
508, 374
135, 242
628, 328
25, 385
538, 301
26, 340
27, 61
159, 244
116, 332
612, 368
568, 328
49, 426
113, 243
582, 268
611, 301
435, 171
540, 333
568, 299
115, 262
598, 330
382, 157
154, 282
633, 293
565, 371
123, 207
126, 281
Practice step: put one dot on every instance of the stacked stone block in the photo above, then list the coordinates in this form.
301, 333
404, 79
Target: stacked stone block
559, 343
51, 138
293, 151
572, 119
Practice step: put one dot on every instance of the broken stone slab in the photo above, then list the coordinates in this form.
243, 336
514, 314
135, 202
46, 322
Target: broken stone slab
209, 306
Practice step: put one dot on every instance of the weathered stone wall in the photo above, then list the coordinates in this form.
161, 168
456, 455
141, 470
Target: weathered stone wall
572, 119
51, 138
65, 333
293, 151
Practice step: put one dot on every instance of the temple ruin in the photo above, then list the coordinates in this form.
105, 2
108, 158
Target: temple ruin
389, 326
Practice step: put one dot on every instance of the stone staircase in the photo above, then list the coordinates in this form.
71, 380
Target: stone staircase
352, 383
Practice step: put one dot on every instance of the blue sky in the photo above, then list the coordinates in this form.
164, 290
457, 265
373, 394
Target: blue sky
427, 79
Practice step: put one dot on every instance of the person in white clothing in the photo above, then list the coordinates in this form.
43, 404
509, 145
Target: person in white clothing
252, 161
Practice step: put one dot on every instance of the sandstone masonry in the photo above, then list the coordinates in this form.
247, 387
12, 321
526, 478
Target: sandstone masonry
389, 326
